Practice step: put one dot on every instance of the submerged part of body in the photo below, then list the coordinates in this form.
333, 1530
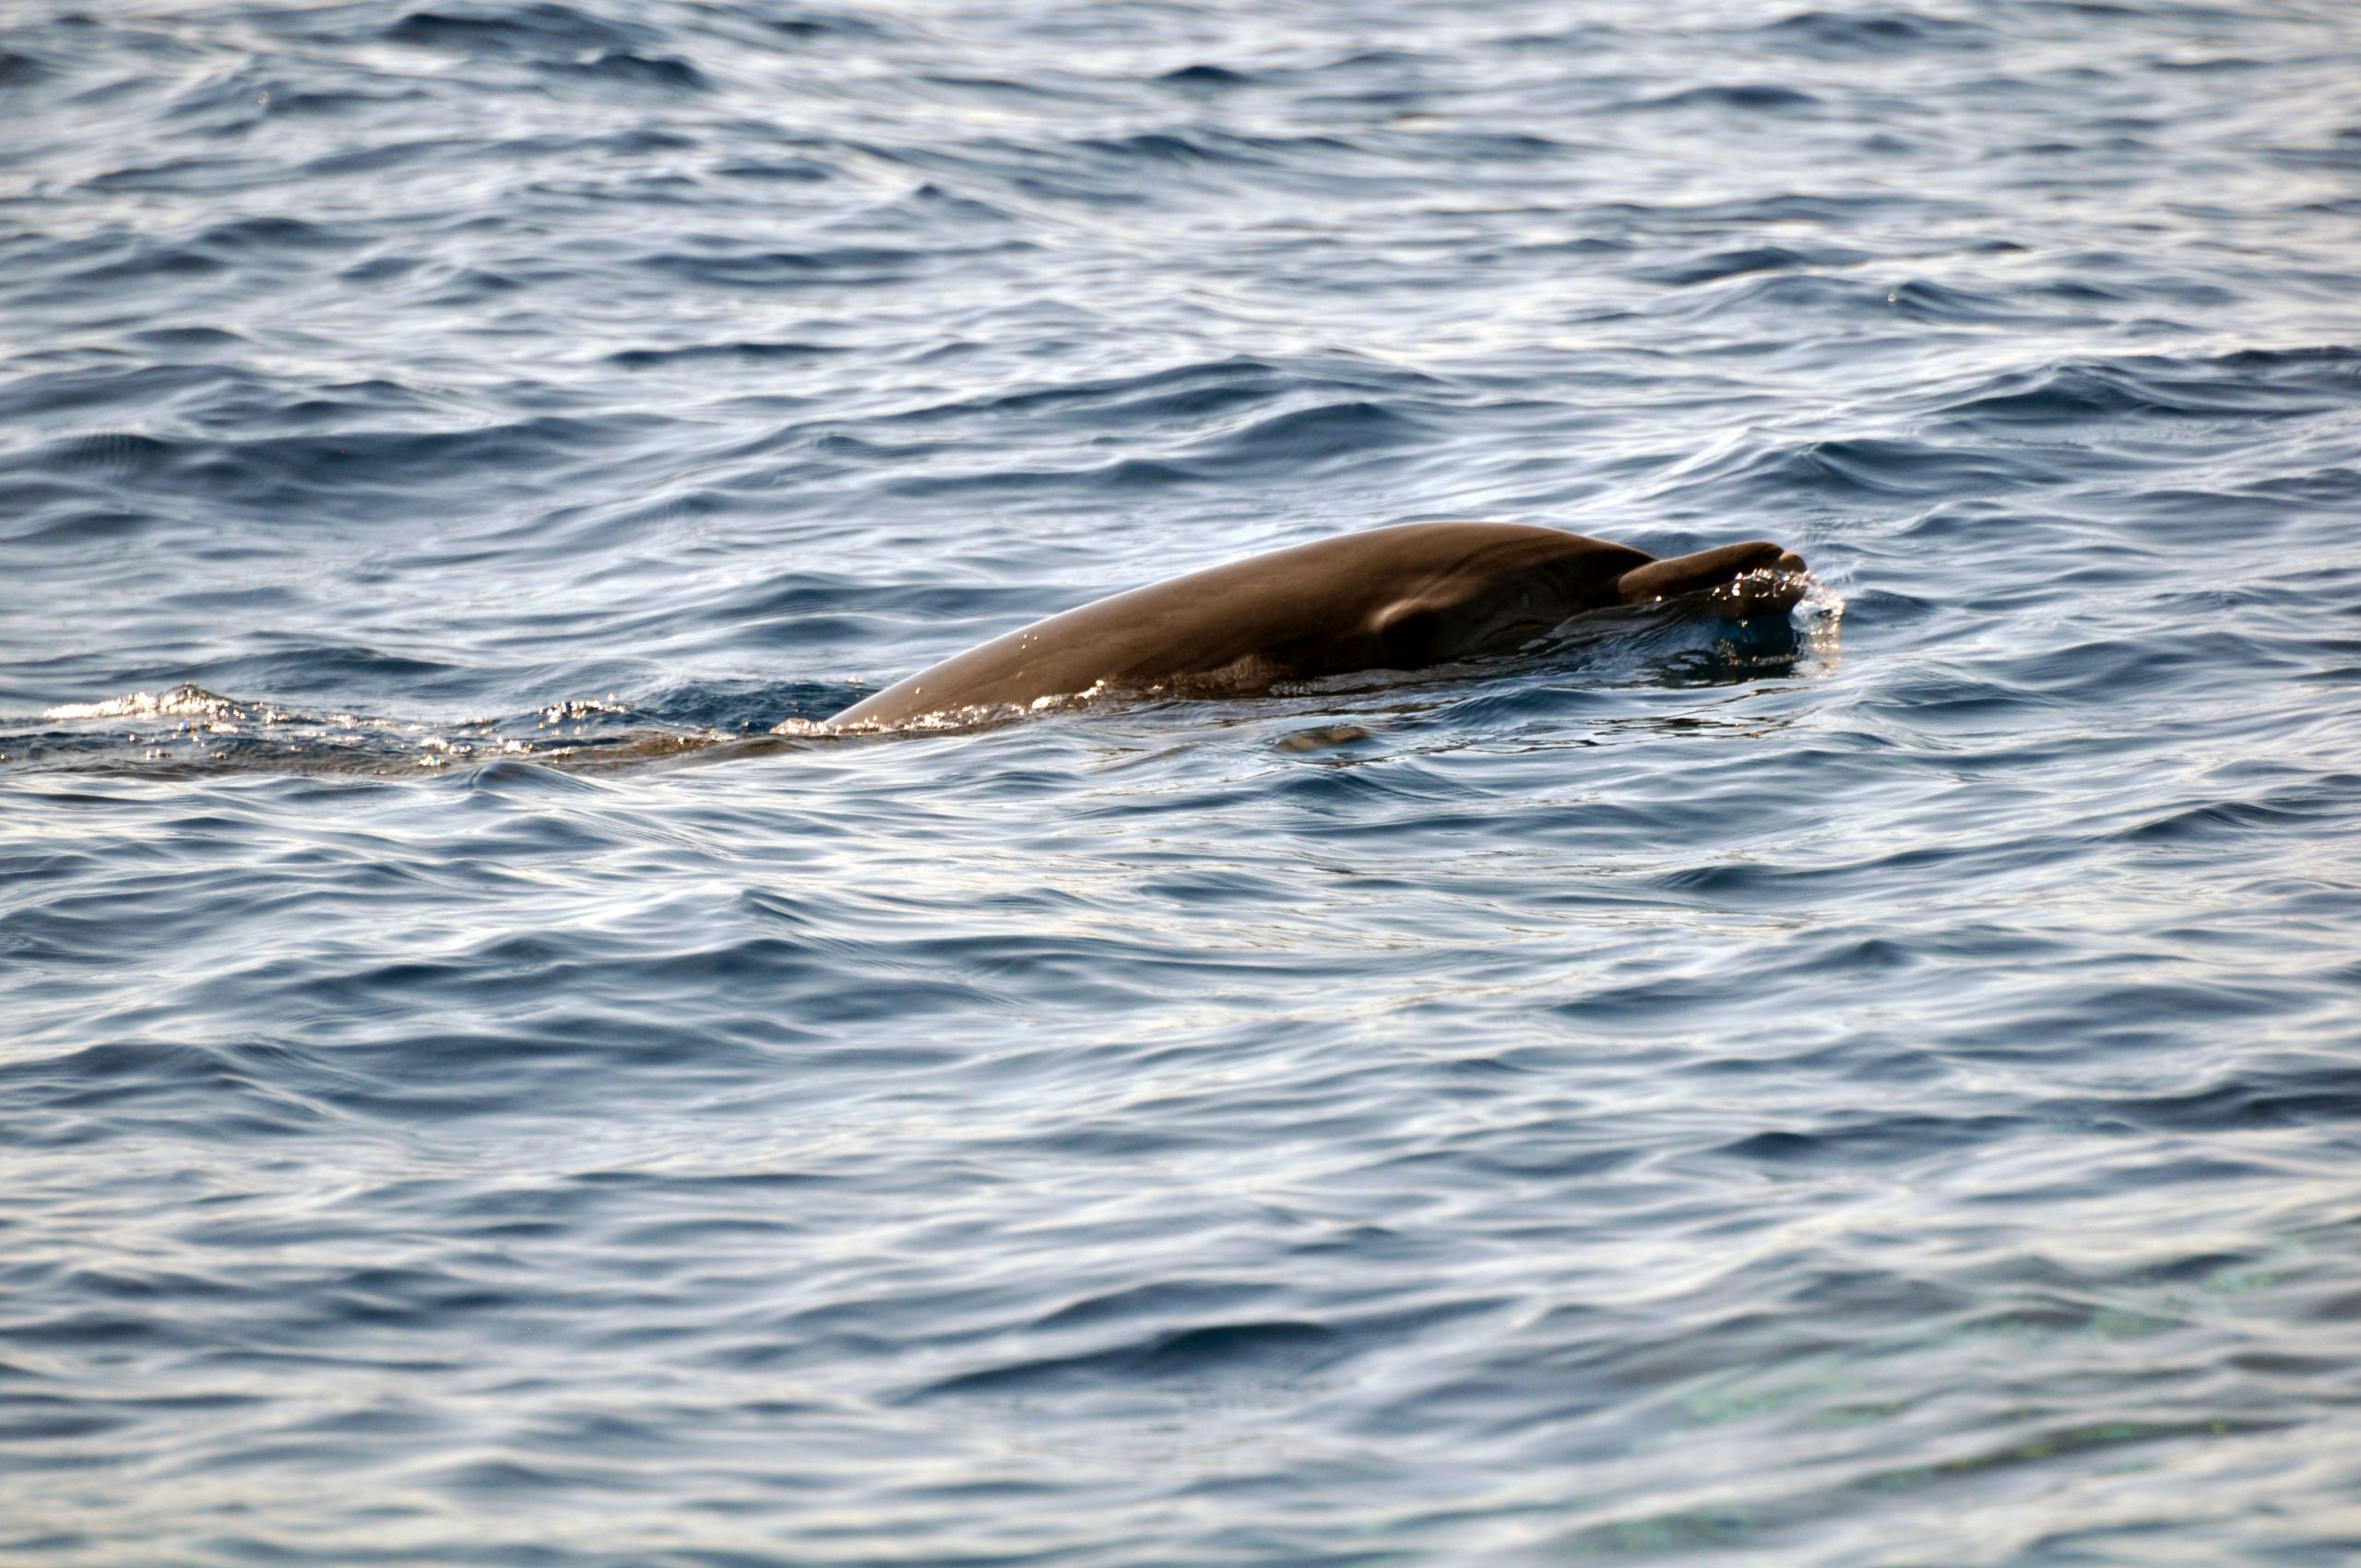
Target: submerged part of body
1402, 598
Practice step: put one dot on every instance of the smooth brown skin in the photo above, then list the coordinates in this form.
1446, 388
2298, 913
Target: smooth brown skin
1400, 597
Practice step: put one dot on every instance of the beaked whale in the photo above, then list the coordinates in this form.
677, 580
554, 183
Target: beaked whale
1400, 597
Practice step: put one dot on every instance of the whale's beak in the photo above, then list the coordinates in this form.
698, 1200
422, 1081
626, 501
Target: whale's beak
1773, 576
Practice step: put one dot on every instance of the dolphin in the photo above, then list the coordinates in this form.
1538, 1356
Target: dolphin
1401, 598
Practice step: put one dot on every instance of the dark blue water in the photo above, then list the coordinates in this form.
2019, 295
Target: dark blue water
1883, 1088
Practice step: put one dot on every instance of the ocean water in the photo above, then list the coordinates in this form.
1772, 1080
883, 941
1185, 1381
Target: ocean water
487, 1079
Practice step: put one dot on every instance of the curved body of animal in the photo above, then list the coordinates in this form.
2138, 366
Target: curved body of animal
1400, 597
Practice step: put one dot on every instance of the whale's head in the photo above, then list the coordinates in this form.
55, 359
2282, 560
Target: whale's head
1505, 597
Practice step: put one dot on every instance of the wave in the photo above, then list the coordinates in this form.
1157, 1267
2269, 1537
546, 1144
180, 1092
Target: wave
188, 729
2247, 384
1872, 30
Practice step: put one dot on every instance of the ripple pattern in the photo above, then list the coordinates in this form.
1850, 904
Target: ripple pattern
488, 1080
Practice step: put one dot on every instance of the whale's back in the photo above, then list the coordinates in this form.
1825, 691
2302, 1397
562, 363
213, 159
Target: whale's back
1312, 610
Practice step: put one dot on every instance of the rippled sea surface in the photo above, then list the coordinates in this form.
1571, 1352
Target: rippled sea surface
1878, 1088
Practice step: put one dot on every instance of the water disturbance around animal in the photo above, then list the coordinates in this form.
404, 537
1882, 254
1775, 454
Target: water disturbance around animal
489, 1079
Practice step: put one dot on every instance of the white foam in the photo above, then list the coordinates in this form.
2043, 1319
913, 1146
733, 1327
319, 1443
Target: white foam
181, 702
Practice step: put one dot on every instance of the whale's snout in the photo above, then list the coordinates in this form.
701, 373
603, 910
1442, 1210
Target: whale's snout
1710, 571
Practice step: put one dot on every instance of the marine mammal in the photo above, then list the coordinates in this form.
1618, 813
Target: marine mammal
1399, 597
